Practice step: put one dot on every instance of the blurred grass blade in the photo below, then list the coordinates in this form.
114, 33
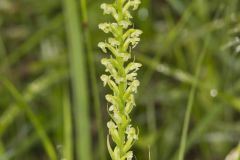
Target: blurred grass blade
177, 74
202, 127
32, 117
31, 42
22, 146
67, 120
33, 89
79, 80
93, 80
190, 103
173, 34
177, 5
2, 49
3, 54
234, 101
2, 150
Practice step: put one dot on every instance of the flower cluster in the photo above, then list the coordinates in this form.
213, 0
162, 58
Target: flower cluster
120, 75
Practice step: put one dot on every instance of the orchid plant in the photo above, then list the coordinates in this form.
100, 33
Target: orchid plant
121, 71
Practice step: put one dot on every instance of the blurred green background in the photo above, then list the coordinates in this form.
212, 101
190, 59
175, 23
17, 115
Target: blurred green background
52, 102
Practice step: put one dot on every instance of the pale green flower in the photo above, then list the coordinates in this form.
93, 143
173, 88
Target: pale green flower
111, 125
117, 118
133, 87
125, 24
132, 66
113, 42
105, 79
131, 76
131, 41
111, 108
136, 33
125, 56
105, 27
135, 4
108, 8
112, 99
131, 133
129, 155
132, 3
127, 15
102, 45
129, 105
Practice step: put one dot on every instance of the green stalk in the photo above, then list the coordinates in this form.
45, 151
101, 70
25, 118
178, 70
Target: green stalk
67, 122
190, 103
79, 80
93, 81
32, 117
152, 127
2, 149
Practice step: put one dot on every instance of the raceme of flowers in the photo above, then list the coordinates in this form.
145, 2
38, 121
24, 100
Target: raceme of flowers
121, 71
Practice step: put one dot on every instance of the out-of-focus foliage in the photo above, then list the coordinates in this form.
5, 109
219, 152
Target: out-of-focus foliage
34, 78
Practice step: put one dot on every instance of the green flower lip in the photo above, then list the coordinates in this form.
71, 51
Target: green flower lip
120, 76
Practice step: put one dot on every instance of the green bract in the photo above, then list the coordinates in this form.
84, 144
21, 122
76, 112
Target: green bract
120, 75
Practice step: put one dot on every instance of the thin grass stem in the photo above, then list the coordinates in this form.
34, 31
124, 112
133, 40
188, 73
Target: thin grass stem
190, 104
93, 81
152, 127
67, 122
78, 74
